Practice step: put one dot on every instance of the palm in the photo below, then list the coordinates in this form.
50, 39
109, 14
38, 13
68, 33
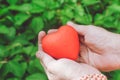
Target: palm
95, 52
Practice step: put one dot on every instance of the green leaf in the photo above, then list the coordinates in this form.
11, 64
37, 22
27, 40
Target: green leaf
10, 18
115, 75
21, 18
65, 12
49, 15
108, 22
51, 4
3, 11
35, 66
12, 33
4, 29
85, 19
30, 32
79, 10
2, 51
41, 3
21, 39
114, 8
90, 2
98, 19
32, 8
12, 50
23, 7
1, 64
30, 50
37, 76
13, 79
35, 48
4, 70
18, 58
15, 51
12, 2
16, 68
64, 19
12, 46
37, 24
36, 9
73, 1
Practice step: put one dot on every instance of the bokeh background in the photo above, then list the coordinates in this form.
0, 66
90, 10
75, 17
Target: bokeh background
21, 20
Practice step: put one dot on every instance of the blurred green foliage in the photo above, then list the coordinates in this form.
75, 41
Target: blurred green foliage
21, 20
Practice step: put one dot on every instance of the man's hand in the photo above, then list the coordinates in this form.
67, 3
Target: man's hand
99, 47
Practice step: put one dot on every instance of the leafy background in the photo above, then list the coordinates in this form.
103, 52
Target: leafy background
21, 20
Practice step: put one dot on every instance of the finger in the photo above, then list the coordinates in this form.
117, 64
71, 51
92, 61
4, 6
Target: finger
45, 69
81, 29
49, 74
81, 39
40, 36
83, 53
52, 31
45, 58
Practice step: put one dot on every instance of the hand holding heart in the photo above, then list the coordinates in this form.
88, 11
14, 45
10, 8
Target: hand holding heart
99, 47
62, 69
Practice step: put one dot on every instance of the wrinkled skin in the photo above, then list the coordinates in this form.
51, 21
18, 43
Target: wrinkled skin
62, 69
99, 47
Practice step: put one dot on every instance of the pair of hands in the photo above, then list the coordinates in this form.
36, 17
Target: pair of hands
99, 49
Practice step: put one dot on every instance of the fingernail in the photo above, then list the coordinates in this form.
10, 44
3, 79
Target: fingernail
41, 32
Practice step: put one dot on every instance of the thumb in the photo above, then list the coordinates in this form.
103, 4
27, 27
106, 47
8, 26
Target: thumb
81, 29
45, 58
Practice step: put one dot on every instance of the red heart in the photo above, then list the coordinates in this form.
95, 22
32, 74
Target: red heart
62, 44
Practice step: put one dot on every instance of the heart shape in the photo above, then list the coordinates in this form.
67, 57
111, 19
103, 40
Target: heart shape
63, 43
